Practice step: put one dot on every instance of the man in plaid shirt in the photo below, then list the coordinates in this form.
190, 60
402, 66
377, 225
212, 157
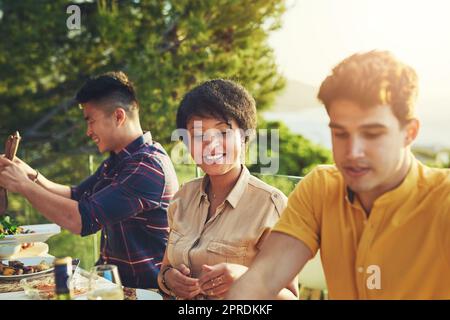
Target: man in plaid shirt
126, 198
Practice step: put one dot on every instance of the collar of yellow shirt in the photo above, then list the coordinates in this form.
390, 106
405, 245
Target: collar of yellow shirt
395, 196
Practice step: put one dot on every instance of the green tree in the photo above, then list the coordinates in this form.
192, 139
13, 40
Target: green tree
166, 47
297, 155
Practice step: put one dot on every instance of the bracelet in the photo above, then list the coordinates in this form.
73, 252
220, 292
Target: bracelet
35, 179
164, 282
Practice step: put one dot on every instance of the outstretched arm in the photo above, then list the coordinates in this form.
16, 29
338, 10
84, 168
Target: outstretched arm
37, 177
217, 280
280, 260
54, 207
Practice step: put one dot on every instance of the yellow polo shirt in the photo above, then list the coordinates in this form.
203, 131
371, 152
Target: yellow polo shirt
402, 251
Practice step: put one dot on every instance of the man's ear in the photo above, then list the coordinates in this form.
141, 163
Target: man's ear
120, 115
412, 130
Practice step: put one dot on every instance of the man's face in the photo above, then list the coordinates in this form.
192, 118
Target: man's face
369, 145
100, 127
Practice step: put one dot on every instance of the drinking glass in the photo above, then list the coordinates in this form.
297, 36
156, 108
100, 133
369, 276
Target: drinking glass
104, 283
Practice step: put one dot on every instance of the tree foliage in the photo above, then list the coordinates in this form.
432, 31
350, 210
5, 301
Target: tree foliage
297, 155
166, 47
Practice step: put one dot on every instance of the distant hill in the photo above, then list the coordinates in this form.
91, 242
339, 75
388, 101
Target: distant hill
295, 96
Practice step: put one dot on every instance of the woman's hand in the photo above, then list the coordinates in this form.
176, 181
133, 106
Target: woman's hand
216, 280
178, 280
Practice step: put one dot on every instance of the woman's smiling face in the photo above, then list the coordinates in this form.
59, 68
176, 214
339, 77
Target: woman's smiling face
215, 144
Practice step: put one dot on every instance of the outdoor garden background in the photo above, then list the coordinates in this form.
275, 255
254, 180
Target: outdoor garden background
166, 48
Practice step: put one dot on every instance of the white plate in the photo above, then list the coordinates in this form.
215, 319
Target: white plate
38, 249
29, 262
9, 249
41, 234
142, 294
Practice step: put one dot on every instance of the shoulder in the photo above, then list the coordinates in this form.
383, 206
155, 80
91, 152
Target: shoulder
154, 158
434, 176
188, 189
149, 152
189, 186
262, 187
260, 190
434, 181
321, 187
186, 196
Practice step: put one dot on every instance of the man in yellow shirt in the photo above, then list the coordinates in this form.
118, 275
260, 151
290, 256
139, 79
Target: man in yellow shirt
380, 218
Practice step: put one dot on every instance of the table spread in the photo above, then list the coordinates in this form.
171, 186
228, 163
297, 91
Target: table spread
12, 290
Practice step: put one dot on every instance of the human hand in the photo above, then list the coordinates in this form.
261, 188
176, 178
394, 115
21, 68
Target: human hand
216, 280
12, 175
31, 173
178, 280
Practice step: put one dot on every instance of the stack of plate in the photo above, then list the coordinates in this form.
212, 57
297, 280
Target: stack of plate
11, 244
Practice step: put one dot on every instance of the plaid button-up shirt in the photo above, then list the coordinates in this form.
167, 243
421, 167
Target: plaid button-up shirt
127, 199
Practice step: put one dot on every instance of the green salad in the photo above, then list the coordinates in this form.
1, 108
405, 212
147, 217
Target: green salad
9, 226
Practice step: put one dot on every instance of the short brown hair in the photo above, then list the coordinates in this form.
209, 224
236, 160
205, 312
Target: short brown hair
373, 78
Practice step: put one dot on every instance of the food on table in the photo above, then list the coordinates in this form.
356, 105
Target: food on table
47, 290
27, 245
17, 268
129, 293
8, 226
44, 288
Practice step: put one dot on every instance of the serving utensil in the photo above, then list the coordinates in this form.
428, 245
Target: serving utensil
11, 146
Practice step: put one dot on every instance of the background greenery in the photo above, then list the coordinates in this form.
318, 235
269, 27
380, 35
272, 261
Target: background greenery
166, 47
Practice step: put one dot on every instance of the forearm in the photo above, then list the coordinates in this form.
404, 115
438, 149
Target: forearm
251, 286
54, 207
275, 267
53, 187
258, 288
284, 294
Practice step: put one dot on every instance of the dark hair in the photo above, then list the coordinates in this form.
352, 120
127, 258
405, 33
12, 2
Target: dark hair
373, 78
114, 86
218, 98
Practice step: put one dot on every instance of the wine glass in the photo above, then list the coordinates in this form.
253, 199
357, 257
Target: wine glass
104, 283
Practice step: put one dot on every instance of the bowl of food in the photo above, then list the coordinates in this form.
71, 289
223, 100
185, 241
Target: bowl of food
38, 289
44, 288
12, 233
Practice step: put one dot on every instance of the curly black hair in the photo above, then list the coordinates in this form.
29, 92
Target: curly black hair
221, 99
